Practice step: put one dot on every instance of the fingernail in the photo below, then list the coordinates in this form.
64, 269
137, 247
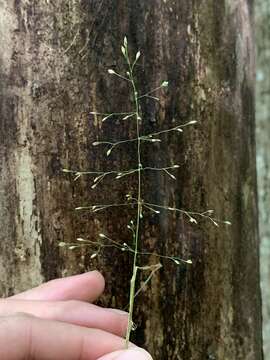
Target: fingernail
131, 354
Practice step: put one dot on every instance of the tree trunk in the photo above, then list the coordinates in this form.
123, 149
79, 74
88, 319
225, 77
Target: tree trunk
263, 157
54, 72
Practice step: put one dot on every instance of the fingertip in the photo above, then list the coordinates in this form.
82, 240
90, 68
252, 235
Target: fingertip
120, 321
86, 287
130, 354
100, 279
90, 285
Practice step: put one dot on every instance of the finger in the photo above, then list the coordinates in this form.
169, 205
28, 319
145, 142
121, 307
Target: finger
74, 312
46, 339
131, 354
85, 287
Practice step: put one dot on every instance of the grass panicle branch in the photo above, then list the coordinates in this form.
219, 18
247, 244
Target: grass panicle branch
135, 202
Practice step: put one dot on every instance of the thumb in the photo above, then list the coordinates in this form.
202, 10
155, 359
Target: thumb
131, 354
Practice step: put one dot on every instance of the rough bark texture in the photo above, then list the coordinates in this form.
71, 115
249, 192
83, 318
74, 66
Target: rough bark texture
54, 62
263, 156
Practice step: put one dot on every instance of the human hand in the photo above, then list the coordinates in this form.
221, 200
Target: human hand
54, 321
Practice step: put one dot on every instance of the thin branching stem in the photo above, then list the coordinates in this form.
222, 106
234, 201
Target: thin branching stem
147, 137
112, 114
124, 247
119, 173
139, 200
95, 208
136, 202
151, 92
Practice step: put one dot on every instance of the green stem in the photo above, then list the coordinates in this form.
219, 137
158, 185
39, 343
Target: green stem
131, 304
139, 202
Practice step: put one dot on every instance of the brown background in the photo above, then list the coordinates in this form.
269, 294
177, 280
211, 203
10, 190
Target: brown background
53, 70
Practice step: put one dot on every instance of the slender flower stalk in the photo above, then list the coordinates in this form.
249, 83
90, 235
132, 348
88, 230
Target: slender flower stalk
134, 201
139, 195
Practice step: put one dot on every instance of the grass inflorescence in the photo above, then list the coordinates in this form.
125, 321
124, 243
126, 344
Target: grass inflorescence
141, 205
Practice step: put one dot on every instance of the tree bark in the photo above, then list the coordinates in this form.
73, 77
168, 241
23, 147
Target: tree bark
263, 157
54, 72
